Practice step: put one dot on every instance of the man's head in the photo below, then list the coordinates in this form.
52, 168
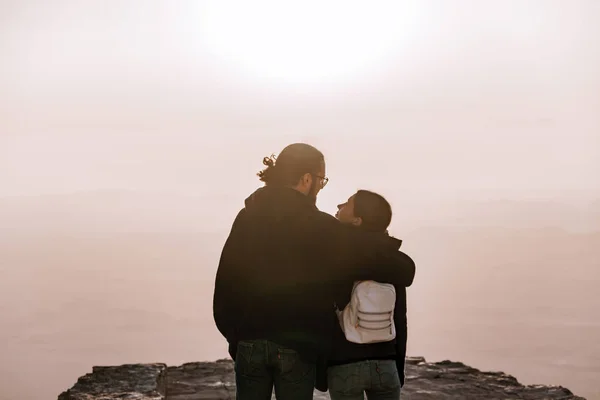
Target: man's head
368, 210
299, 166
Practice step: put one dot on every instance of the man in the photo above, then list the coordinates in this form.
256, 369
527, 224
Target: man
277, 274
376, 369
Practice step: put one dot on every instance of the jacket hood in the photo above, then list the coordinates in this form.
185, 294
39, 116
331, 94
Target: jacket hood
394, 242
388, 241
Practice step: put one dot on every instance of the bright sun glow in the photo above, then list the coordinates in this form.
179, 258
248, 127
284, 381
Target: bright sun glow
306, 41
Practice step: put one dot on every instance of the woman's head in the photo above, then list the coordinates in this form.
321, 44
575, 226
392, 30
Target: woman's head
366, 209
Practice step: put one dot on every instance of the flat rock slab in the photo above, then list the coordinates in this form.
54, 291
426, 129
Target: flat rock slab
133, 381
454, 380
203, 380
216, 381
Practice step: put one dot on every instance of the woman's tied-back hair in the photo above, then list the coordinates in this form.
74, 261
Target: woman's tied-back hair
373, 209
292, 163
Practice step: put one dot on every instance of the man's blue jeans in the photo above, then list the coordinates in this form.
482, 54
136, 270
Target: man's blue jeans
261, 365
377, 378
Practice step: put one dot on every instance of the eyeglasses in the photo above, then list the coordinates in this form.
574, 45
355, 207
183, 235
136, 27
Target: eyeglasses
323, 179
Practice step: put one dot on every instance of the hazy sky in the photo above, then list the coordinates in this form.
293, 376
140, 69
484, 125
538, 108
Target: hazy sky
501, 97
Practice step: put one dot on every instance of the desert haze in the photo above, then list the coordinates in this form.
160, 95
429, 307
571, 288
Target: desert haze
490, 292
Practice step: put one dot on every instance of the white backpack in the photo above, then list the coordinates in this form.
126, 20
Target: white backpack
369, 317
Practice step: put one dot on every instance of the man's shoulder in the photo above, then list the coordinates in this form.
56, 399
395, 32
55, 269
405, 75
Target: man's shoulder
239, 223
329, 223
240, 216
317, 216
328, 218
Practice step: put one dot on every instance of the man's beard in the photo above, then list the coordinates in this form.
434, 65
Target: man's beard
312, 192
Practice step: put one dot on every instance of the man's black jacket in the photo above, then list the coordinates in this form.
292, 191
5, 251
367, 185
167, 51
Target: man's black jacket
281, 266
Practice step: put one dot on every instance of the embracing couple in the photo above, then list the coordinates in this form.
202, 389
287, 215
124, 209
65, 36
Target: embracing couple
307, 300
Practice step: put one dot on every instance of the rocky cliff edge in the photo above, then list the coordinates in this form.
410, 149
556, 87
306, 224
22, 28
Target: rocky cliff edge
215, 381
